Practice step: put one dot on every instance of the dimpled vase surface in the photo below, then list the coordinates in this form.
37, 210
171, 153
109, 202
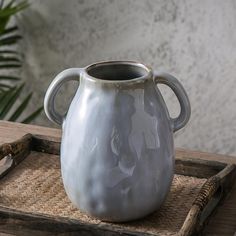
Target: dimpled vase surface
117, 152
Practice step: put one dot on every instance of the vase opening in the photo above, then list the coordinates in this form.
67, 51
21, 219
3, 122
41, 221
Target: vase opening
118, 71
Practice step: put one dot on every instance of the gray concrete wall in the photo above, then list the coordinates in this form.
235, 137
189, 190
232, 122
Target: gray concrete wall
194, 40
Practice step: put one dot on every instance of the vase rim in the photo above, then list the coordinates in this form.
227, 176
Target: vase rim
141, 71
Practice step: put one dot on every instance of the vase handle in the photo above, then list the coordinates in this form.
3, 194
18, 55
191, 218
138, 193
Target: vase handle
185, 112
49, 100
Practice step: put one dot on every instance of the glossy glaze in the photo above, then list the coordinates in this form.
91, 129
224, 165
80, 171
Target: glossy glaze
117, 153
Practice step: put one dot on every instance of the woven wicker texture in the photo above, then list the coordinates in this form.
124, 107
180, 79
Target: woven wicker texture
35, 186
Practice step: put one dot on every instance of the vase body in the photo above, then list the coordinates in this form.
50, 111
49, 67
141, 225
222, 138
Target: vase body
117, 152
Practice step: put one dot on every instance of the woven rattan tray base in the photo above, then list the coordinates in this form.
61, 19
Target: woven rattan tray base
34, 187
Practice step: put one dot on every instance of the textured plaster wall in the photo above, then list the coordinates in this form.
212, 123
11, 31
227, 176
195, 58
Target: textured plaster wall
194, 40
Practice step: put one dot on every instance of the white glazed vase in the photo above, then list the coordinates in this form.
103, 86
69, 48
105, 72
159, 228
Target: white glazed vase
117, 152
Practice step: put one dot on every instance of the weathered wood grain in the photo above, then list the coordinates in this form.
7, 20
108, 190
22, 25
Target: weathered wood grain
41, 143
37, 224
14, 153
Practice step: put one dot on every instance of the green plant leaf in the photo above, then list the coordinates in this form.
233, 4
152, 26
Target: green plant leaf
8, 77
9, 52
10, 4
10, 100
10, 40
32, 116
5, 85
5, 96
8, 30
9, 10
9, 59
1, 91
9, 66
21, 108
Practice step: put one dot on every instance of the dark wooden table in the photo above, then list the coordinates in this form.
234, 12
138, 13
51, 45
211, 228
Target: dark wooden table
223, 222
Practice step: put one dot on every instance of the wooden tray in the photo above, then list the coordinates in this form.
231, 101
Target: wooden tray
220, 178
